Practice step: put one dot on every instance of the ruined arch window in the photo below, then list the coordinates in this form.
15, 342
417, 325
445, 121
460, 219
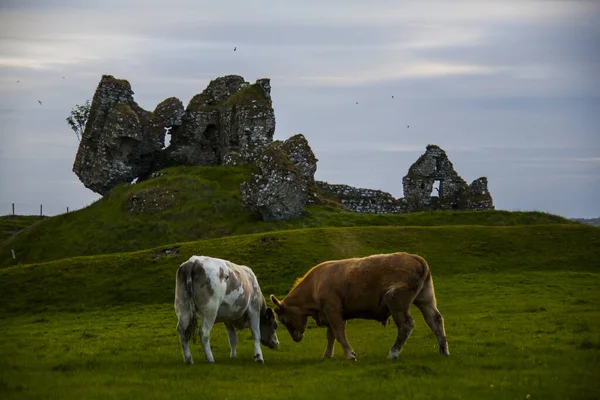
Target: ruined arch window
435, 189
167, 139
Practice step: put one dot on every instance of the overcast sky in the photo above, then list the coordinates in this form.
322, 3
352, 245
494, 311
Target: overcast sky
510, 89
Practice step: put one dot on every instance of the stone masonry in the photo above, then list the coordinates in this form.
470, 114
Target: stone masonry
122, 141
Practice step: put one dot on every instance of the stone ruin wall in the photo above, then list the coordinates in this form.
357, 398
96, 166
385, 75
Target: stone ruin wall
122, 141
433, 166
233, 122
365, 201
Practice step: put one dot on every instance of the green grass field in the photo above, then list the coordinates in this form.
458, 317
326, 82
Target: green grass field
521, 308
510, 337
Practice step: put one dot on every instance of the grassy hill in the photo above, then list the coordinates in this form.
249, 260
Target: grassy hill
10, 225
278, 258
520, 305
194, 203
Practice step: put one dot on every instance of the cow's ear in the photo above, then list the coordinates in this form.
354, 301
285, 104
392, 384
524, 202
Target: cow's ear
276, 301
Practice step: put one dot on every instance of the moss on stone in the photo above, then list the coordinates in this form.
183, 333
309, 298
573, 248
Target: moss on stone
277, 159
325, 195
247, 95
319, 197
479, 197
112, 79
199, 103
171, 101
125, 110
145, 116
244, 96
296, 142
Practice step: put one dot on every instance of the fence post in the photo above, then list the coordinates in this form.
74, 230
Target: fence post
13, 204
40, 210
67, 210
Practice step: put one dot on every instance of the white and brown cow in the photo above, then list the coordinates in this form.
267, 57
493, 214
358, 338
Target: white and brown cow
221, 291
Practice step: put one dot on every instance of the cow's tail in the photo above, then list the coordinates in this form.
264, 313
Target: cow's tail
186, 277
425, 280
426, 292
420, 277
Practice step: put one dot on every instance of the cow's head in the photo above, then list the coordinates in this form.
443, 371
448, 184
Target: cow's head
268, 328
291, 317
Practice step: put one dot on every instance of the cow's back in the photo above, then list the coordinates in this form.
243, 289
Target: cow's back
207, 278
240, 292
225, 287
362, 283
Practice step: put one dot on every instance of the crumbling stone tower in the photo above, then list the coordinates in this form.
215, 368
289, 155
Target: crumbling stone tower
432, 184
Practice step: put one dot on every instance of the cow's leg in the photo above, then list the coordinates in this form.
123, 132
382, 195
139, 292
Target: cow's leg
208, 320
186, 321
405, 325
255, 329
337, 324
330, 343
233, 339
426, 303
399, 305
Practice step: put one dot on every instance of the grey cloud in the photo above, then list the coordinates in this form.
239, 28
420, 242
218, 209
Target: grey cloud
510, 44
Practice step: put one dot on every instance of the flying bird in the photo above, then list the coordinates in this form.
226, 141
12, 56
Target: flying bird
357, 102
63, 77
392, 97
40, 102
18, 81
235, 48
408, 126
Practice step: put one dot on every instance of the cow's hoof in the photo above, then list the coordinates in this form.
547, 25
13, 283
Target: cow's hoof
258, 359
352, 357
444, 351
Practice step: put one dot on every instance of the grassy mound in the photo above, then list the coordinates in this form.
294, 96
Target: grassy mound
194, 203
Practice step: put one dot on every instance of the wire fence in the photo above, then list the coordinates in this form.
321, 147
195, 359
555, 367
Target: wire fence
46, 209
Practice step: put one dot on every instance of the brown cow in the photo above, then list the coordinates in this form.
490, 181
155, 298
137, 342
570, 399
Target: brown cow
373, 287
